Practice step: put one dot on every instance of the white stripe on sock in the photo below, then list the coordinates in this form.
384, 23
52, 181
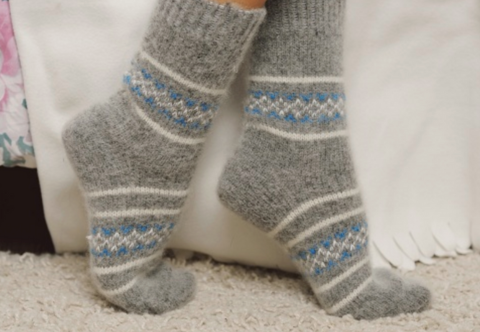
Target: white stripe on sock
165, 133
135, 213
297, 136
308, 205
322, 224
119, 290
138, 190
297, 80
127, 266
342, 277
350, 297
179, 78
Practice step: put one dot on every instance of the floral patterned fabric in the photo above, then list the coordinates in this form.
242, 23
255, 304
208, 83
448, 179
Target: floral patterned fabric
15, 139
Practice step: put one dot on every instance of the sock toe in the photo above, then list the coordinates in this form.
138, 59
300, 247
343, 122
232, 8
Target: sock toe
160, 290
420, 296
388, 295
409, 295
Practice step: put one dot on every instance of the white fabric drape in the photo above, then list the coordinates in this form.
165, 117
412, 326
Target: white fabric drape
412, 77
413, 81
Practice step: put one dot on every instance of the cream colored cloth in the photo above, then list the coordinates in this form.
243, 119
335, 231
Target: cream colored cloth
413, 88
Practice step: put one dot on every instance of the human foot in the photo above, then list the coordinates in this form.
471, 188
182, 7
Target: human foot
135, 154
292, 175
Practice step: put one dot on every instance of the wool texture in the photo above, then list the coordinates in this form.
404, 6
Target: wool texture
135, 154
292, 175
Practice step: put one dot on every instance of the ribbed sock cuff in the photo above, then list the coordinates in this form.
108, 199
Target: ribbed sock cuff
300, 38
306, 16
210, 20
201, 40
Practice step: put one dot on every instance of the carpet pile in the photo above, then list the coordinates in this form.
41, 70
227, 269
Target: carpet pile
54, 293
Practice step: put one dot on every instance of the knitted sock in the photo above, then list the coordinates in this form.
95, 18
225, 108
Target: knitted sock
135, 155
292, 175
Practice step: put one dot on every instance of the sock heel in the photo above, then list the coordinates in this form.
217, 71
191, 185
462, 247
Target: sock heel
227, 191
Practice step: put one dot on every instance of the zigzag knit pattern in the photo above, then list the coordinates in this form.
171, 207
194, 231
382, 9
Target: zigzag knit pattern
297, 108
181, 110
334, 249
127, 239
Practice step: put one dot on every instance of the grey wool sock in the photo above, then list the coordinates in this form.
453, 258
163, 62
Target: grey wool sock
292, 174
135, 154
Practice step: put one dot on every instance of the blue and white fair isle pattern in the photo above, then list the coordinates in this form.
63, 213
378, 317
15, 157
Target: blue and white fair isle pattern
333, 250
127, 240
162, 99
300, 108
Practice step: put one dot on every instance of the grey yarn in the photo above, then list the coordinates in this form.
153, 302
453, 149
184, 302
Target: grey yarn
135, 154
292, 175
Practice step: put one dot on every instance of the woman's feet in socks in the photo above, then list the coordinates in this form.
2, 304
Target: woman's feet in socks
292, 175
135, 154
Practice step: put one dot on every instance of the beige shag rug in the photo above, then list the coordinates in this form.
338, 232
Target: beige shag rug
53, 293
